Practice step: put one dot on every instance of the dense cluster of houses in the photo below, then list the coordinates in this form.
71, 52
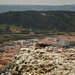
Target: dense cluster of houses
7, 56
10, 51
13, 48
60, 41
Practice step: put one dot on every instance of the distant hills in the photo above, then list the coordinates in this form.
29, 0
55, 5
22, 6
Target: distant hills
6, 8
56, 21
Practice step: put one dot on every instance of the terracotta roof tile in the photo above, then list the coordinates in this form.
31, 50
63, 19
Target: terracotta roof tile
2, 65
9, 54
7, 58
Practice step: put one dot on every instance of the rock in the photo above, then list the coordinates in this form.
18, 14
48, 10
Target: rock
66, 72
21, 67
32, 48
31, 61
15, 73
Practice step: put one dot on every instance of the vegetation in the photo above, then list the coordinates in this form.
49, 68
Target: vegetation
17, 25
48, 21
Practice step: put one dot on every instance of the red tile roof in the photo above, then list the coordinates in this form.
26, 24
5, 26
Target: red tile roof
72, 40
9, 54
3, 62
7, 58
11, 51
2, 65
1, 53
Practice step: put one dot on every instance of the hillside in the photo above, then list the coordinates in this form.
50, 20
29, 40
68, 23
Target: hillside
62, 21
5, 8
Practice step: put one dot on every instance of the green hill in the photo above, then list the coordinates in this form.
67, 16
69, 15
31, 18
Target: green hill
62, 21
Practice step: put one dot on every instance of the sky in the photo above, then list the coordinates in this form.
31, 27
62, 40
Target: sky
37, 2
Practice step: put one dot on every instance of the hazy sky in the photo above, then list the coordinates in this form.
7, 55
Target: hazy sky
38, 2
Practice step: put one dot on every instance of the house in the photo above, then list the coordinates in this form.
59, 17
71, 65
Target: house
1, 54
64, 42
72, 42
56, 44
31, 33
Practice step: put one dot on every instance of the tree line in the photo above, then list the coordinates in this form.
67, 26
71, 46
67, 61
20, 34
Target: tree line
61, 21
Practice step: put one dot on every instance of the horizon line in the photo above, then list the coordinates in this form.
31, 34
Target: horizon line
39, 4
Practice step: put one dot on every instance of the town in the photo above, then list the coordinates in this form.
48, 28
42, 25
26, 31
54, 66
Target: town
57, 44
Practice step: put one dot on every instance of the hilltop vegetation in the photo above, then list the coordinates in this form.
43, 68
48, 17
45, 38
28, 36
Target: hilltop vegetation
24, 21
